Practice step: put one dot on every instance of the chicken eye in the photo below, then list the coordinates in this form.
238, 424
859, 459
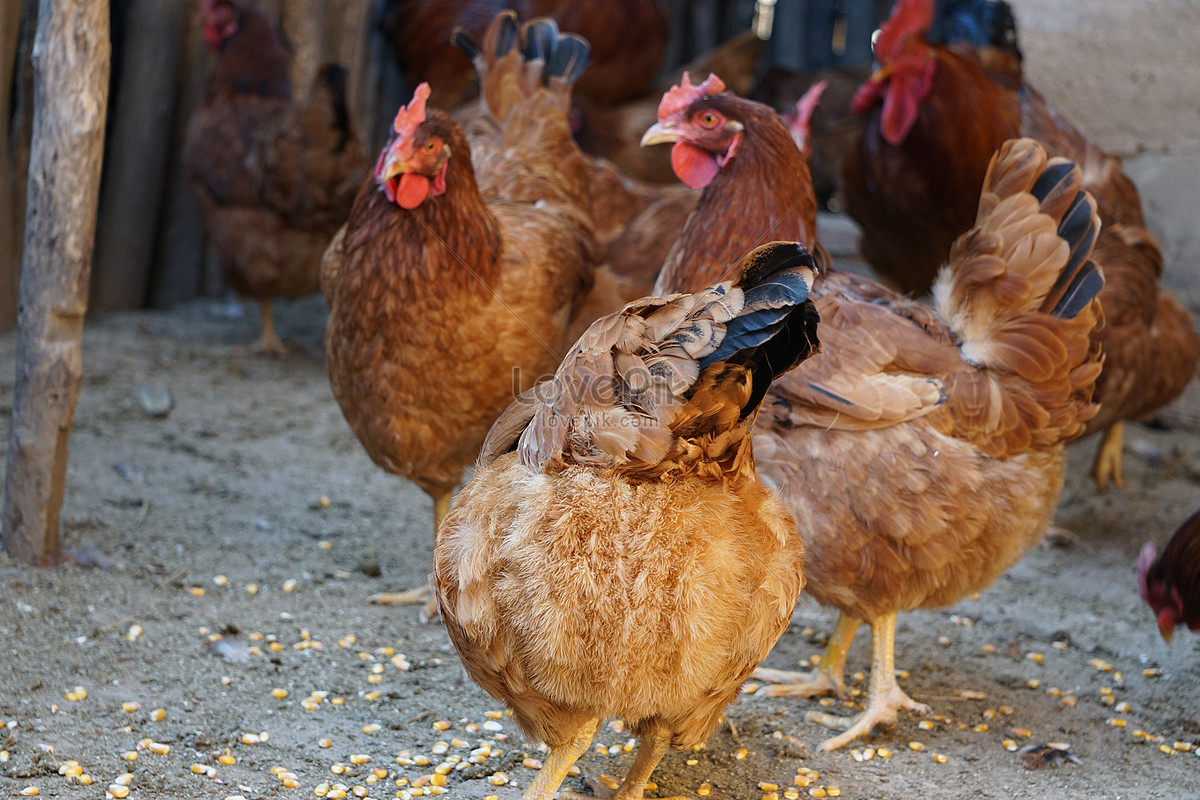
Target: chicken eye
430, 146
708, 120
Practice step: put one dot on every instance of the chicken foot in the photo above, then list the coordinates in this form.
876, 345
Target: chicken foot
884, 696
554, 770
1108, 458
269, 342
650, 751
427, 594
828, 678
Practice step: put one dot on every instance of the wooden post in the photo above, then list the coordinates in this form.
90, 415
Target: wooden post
71, 56
132, 199
14, 145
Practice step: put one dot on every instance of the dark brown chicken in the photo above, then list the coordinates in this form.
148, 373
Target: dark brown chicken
274, 176
614, 553
1170, 583
464, 260
627, 38
932, 117
921, 451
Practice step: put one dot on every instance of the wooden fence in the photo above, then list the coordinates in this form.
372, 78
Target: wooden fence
150, 248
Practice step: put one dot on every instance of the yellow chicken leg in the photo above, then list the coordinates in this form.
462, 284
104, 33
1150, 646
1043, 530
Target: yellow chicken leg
269, 342
1108, 458
650, 752
554, 770
828, 678
884, 697
427, 595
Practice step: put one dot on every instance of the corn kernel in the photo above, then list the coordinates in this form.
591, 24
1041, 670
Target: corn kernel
802, 781
884, 752
499, 779
118, 790
532, 763
691, 762
1024, 733
129, 755
1121, 707
441, 725
1009, 745
1034, 657
159, 748
337, 768
1116, 722
833, 791
790, 794
980, 728
29, 791
1152, 672
494, 714
374, 727
816, 791
925, 725
372, 695
1034, 683
939, 758
768, 787
1100, 665
704, 789
437, 780
1184, 747
740, 754
1166, 749
289, 585
916, 746
321, 789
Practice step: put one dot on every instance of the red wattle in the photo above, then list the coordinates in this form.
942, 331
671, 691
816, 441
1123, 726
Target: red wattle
695, 167
411, 190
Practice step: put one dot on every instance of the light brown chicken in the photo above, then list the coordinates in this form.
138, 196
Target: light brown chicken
921, 451
455, 280
274, 176
932, 117
614, 553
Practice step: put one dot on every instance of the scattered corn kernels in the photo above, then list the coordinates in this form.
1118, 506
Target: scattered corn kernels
29, 791
704, 789
768, 787
1009, 745
916, 746
741, 754
374, 727
130, 706
441, 725
939, 758
118, 790
1116, 722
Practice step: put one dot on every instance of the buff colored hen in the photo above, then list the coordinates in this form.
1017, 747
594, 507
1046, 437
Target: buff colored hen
615, 553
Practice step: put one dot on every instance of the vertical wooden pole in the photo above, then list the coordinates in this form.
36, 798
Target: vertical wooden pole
13, 147
71, 57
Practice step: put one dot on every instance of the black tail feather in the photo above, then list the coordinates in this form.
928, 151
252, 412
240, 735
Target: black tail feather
777, 329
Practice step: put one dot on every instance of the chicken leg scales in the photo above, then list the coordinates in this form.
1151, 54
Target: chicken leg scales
1108, 457
426, 595
554, 771
884, 696
828, 678
269, 342
650, 751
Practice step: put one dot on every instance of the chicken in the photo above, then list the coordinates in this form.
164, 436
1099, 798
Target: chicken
921, 452
627, 38
456, 277
933, 116
614, 553
1170, 583
715, 138
275, 177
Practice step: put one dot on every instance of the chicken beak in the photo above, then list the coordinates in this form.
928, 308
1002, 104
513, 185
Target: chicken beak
394, 165
660, 133
1166, 631
882, 74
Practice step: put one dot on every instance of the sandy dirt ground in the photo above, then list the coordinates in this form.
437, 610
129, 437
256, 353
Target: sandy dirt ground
222, 557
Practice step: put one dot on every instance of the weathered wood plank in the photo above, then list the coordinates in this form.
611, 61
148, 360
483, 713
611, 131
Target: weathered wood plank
71, 58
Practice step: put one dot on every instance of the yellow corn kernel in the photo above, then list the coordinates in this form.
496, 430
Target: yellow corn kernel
199, 769
29, 791
939, 758
768, 787
129, 755
118, 790
816, 791
441, 725
980, 728
338, 768
159, 748
925, 725
741, 754
1009, 745
437, 779
372, 695
158, 714
289, 585
374, 727
130, 706
1152, 672
833, 791
916, 746
704, 789
321, 789
1116, 722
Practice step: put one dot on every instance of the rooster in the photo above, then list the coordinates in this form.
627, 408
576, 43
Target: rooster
932, 116
615, 553
921, 452
463, 262
1170, 583
274, 177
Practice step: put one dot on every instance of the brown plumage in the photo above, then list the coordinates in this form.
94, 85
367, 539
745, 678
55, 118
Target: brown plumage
627, 38
274, 176
461, 266
1170, 583
725, 144
614, 553
921, 452
912, 183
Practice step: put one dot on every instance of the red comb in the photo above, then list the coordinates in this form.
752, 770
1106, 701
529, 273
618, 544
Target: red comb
680, 97
909, 17
413, 114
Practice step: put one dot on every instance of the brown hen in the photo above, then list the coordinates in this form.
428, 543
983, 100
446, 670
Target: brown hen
615, 553
454, 282
932, 117
921, 452
275, 177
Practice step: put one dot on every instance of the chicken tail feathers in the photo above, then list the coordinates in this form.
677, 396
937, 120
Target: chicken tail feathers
1020, 292
515, 60
666, 385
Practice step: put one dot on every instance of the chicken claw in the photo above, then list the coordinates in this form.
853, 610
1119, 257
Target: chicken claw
829, 676
1108, 458
424, 595
884, 696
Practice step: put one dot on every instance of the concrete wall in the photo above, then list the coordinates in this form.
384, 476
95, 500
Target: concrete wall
1127, 73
